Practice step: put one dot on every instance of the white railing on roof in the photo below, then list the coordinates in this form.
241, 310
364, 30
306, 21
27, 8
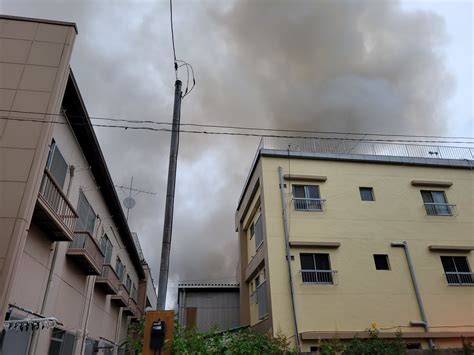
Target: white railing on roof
366, 147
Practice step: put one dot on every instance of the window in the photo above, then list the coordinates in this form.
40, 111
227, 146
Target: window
119, 268
313, 349
134, 291
258, 233
87, 216
128, 283
307, 198
56, 165
252, 230
381, 262
316, 268
106, 248
456, 269
435, 203
366, 193
62, 343
413, 346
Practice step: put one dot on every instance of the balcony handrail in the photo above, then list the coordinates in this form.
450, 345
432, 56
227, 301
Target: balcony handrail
60, 191
460, 278
109, 266
90, 238
309, 199
323, 271
312, 276
439, 204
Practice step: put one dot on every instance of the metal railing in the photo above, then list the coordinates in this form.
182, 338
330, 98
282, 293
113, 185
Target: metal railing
460, 278
308, 204
86, 244
53, 195
261, 291
109, 275
319, 276
341, 145
439, 209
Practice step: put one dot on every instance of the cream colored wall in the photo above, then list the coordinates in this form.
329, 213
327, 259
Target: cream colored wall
362, 294
34, 64
254, 306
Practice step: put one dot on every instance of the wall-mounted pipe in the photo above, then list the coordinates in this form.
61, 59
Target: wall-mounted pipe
288, 254
419, 300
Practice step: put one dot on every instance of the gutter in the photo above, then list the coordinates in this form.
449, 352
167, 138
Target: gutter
419, 300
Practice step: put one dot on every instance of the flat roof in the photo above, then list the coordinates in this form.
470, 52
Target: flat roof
40, 20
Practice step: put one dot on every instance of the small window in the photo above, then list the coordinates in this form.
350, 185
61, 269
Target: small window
316, 268
366, 193
436, 203
62, 343
87, 216
381, 262
307, 198
457, 271
56, 165
258, 233
314, 349
413, 346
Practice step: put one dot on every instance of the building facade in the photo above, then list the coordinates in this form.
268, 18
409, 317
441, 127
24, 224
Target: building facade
336, 237
70, 273
207, 306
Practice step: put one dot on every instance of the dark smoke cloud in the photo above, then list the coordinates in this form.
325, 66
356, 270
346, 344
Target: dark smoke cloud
317, 65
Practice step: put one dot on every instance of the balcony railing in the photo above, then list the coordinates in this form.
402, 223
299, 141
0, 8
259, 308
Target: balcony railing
319, 276
85, 250
460, 278
134, 309
108, 280
54, 212
439, 209
122, 296
308, 204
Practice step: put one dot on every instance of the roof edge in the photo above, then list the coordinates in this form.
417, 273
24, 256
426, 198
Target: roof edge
40, 20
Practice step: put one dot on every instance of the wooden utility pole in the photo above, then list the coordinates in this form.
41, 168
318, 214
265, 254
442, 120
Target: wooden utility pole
168, 223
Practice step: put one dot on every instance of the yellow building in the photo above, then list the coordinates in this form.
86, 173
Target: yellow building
375, 234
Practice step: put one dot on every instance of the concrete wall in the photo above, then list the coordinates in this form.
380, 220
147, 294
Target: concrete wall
363, 295
34, 66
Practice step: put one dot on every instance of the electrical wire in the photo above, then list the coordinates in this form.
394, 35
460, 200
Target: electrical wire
250, 128
172, 40
227, 133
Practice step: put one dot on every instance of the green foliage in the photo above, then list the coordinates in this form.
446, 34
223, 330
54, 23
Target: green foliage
135, 336
374, 345
190, 341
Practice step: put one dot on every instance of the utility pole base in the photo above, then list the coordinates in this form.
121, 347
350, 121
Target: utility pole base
150, 317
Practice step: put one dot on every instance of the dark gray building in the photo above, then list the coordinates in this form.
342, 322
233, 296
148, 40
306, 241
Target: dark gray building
204, 305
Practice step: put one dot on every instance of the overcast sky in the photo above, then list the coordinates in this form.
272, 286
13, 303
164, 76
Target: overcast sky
366, 66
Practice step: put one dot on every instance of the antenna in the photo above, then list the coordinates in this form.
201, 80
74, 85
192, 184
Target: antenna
129, 202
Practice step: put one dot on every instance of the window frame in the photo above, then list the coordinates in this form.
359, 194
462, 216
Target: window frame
321, 276
433, 208
118, 271
82, 197
307, 202
467, 280
53, 151
387, 260
370, 190
105, 239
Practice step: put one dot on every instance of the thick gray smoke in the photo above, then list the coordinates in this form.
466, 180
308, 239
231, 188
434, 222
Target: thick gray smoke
364, 66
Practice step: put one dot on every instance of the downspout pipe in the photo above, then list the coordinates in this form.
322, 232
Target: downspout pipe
288, 255
419, 300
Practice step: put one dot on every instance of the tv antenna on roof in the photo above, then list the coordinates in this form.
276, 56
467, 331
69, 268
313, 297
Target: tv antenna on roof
129, 201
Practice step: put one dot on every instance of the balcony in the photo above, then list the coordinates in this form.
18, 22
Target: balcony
308, 204
108, 280
121, 299
133, 309
325, 277
460, 278
439, 209
53, 212
86, 252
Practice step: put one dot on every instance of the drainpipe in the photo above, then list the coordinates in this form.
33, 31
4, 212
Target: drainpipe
118, 328
288, 255
34, 338
404, 245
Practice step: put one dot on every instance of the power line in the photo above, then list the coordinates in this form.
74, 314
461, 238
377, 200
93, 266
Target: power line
227, 133
263, 129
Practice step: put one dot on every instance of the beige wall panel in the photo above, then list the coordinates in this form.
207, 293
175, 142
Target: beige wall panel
39, 78
45, 53
13, 50
10, 198
26, 132
18, 162
53, 33
10, 75
31, 101
6, 100
18, 29
6, 226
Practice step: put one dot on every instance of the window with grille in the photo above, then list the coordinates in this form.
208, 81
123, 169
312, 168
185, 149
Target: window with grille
366, 193
56, 165
381, 262
106, 248
457, 271
62, 343
436, 204
258, 233
316, 268
87, 216
307, 198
